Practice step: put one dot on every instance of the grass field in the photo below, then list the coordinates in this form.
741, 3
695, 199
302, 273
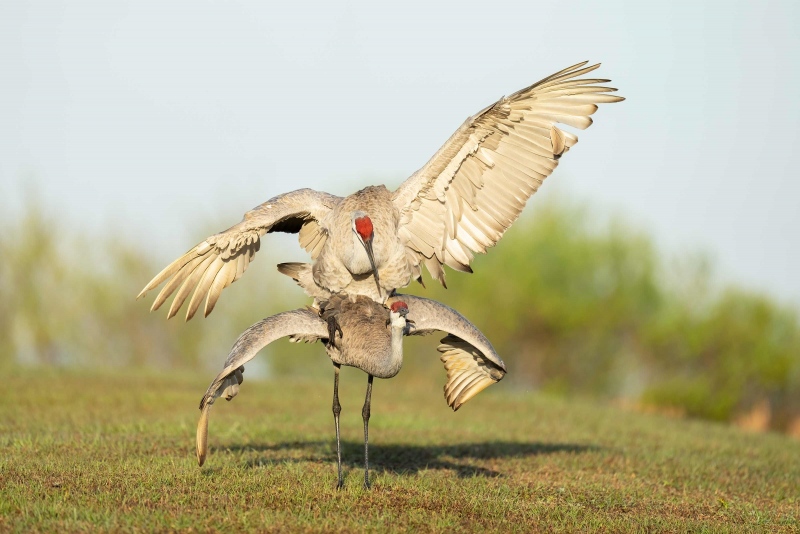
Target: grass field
100, 451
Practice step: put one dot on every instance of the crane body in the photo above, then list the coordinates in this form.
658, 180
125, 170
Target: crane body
361, 333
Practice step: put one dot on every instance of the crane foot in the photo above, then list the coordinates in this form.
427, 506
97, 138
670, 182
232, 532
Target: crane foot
333, 328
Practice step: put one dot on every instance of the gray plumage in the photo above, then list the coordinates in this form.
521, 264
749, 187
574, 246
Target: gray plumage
367, 341
370, 340
466, 353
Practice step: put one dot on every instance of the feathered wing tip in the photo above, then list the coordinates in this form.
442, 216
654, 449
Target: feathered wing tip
229, 388
569, 72
202, 434
468, 371
469, 359
462, 201
202, 274
226, 384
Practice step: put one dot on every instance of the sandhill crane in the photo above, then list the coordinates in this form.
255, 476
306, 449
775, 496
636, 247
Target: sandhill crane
361, 333
459, 203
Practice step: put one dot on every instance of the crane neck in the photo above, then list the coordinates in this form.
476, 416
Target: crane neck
398, 326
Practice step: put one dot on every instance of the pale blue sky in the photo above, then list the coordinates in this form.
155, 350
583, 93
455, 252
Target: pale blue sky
152, 117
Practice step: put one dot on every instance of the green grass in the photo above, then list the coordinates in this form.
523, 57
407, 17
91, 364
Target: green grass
99, 451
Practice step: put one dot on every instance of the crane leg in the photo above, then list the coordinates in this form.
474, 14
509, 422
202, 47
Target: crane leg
365, 416
337, 409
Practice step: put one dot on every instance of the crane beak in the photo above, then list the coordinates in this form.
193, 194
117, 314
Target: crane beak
368, 247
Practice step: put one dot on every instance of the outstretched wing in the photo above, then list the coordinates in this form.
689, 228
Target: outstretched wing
469, 359
304, 324
476, 185
221, 259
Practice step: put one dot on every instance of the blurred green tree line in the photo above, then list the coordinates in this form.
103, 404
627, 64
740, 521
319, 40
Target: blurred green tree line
574, 307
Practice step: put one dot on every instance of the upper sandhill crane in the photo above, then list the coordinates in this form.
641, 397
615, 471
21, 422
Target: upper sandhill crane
369, 338
459, 203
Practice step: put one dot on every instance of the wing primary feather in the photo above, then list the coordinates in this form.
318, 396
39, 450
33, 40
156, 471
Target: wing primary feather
187, 286
571, 74
202, 288
175, 282
547, 79
545, 90
173, 267
570, 85
464, 386
455, 393
223, 279
454, 384
241, 265
472, 390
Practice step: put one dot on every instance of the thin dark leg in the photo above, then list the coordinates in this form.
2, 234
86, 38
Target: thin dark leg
337, 409
365, 415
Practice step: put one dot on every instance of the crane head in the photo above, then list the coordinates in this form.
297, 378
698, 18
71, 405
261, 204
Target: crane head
363, 227
399, 307
397, 315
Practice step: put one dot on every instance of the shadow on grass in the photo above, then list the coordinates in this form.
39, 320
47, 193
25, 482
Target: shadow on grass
405, 459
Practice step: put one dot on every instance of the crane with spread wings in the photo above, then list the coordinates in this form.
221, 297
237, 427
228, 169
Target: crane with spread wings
375, 241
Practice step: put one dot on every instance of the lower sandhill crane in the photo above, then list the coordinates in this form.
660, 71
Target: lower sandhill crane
361, 333
459, 203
